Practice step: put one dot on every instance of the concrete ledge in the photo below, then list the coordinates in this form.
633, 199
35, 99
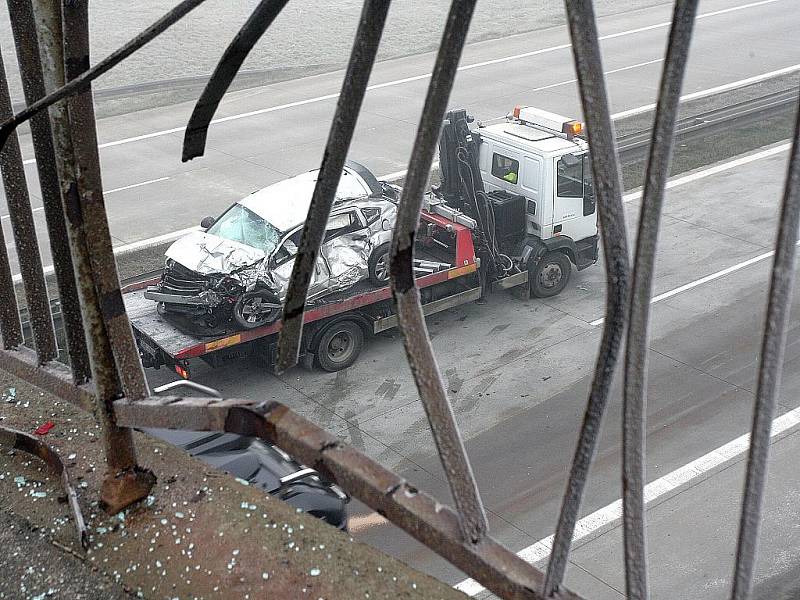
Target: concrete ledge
201, 534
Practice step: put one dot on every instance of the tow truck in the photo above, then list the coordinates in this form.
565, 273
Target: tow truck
515, 209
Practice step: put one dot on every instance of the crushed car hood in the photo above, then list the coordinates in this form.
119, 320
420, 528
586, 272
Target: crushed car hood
207, 254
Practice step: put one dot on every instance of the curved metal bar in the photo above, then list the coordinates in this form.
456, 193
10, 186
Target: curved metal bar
192, 385
81, 84
769, 374
411, 321
28, 443
608, 189
635, 386
354, 86
194, 141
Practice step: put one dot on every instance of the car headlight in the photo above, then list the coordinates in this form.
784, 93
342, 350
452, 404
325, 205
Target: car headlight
169, 263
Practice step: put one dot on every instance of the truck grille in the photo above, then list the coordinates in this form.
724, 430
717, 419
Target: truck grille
177, 279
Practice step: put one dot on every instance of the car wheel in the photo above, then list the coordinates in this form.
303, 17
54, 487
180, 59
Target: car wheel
256, 309
549, 276
379, 264
339, 346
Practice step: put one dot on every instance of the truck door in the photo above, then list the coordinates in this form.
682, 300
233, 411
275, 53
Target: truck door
573, 198
532, 189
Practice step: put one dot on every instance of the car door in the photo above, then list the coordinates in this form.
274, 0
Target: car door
283, 263
346, 248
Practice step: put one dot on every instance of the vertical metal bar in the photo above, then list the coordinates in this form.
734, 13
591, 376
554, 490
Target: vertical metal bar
23, 25
24, 231
635, 387
80, 111
354, 86
88, 236
16, 190
608, 189
769, 374
194, 141
411, 321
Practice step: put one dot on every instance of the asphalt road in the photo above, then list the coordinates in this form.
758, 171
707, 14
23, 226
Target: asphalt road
518, 371
151, 193
518, 374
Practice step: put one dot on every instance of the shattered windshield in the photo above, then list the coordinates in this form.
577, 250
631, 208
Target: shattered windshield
242, 225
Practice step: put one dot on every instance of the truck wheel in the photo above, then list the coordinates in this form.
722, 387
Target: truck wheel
339, 346
256, 309
550, 275
379, 264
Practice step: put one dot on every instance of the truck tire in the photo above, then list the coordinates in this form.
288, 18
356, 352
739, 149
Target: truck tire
379, 264
256, 309
339, 345
549, 276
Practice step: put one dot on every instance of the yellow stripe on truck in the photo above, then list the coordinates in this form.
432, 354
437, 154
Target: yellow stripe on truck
453, 273
224, 342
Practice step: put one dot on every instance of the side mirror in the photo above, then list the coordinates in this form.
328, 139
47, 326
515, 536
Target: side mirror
207, 222
570, 160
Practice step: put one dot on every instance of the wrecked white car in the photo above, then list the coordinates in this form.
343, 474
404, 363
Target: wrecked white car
237, 271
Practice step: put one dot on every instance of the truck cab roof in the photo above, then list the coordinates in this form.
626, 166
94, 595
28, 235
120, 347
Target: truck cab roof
533, 139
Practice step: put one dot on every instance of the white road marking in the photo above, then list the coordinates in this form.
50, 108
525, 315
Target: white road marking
694, 177
135, 185
714, 90
652, 491
111, 191
405, 80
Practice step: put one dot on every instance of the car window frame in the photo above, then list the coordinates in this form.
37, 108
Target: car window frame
274, 260
356, 224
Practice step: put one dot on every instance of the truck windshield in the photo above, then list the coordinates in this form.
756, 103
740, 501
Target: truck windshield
242, 225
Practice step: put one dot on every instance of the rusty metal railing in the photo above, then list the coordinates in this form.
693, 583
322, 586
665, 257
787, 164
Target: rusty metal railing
105, 374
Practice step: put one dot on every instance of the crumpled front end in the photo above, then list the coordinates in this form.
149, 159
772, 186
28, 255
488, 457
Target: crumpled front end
209, 298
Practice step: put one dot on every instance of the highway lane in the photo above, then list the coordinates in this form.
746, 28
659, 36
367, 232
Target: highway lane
518, 374
286, 136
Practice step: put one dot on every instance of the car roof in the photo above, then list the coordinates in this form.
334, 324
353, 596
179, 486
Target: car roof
285, 204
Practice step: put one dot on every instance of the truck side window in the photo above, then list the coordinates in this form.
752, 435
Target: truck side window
505, 168
569, 177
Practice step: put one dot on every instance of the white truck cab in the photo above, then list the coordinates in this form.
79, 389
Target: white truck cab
526, 184
535, 153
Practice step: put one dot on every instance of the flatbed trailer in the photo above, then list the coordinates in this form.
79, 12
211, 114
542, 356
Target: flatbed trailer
334, 328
